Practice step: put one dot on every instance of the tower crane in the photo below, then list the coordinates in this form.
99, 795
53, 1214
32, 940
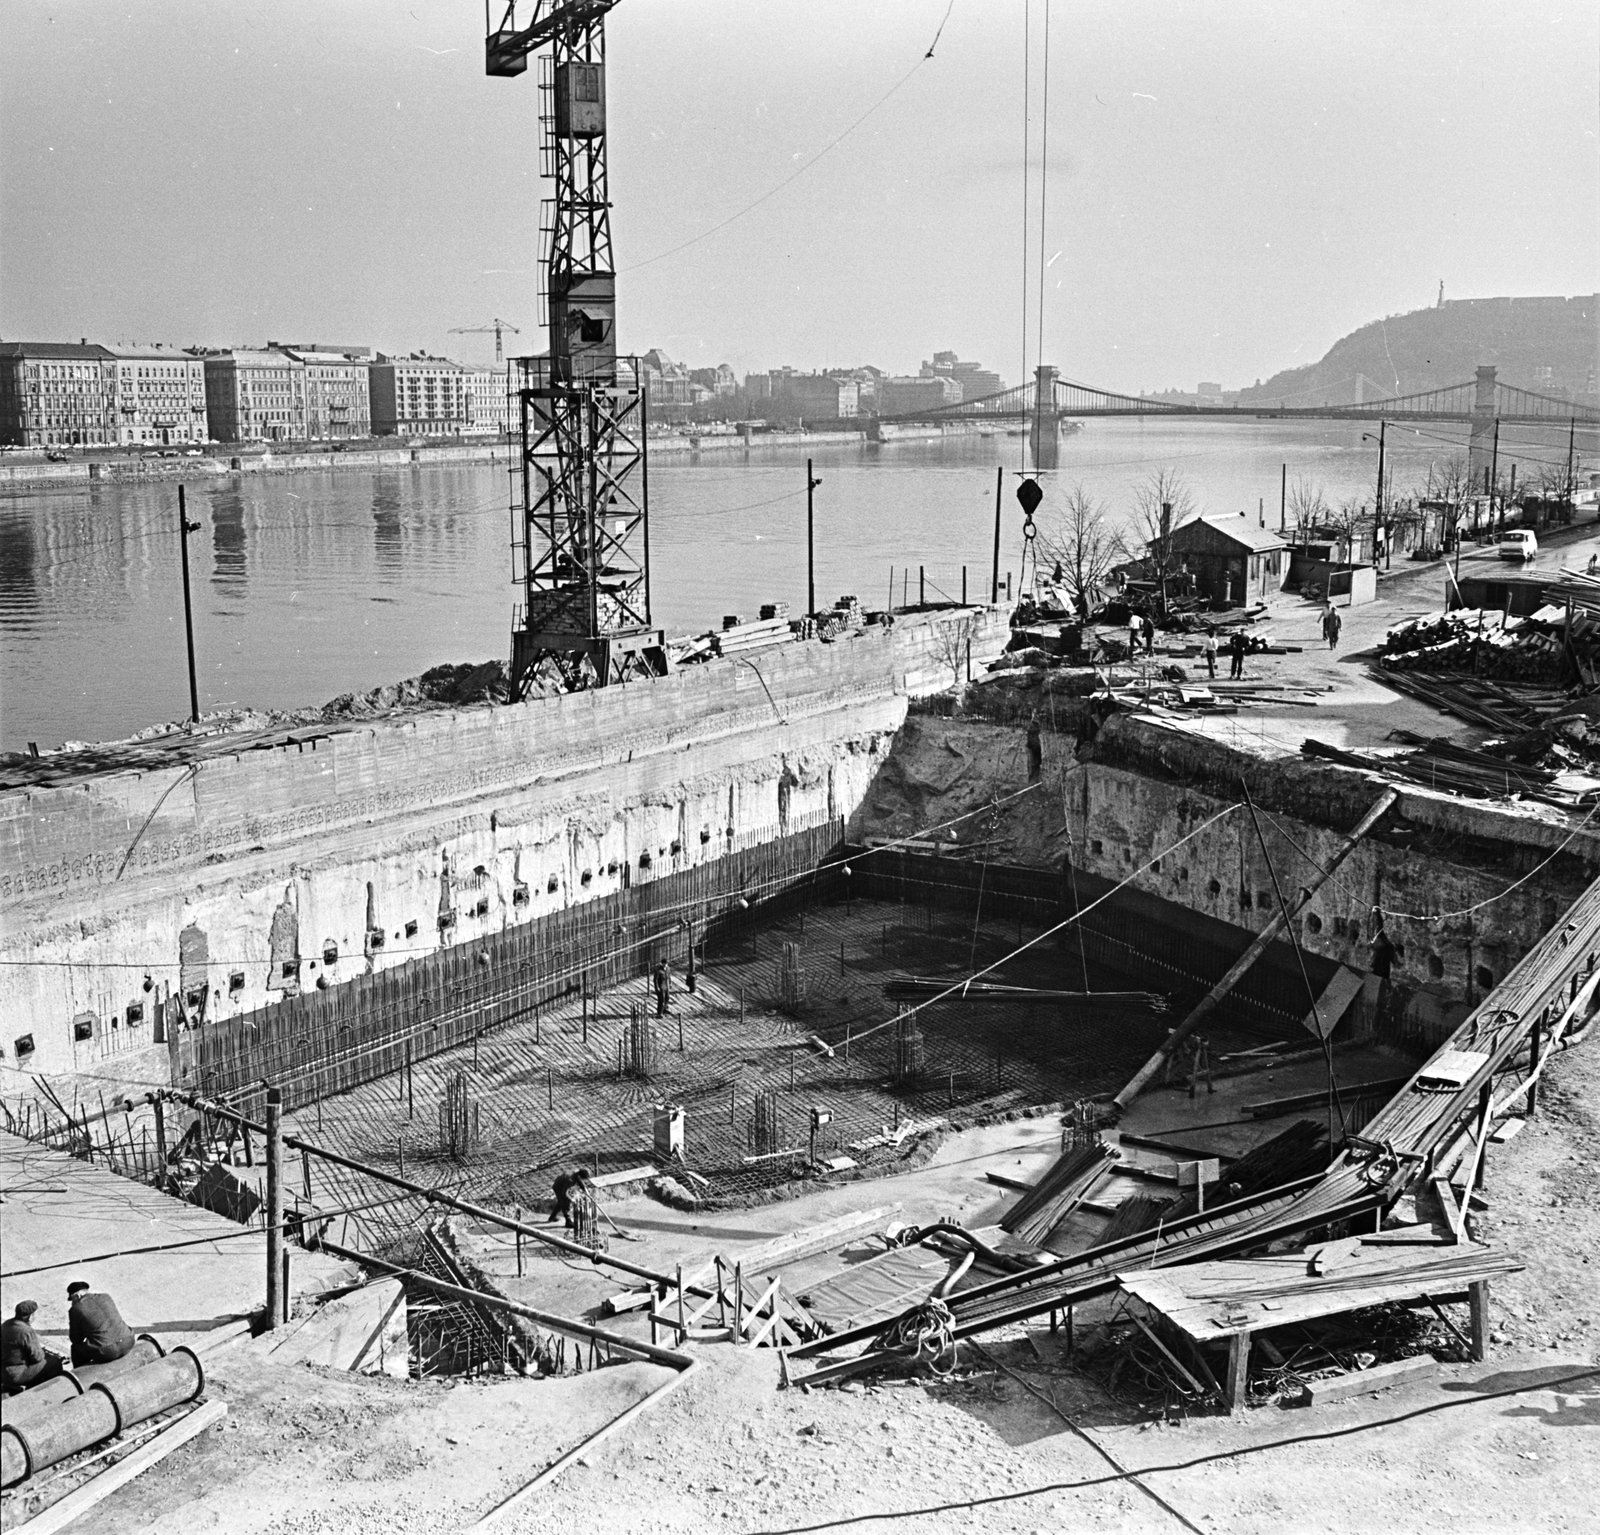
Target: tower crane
579, 493
483, 330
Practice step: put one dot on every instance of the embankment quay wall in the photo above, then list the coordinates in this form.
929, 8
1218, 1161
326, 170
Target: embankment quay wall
40, 474
1465, 888
245, 876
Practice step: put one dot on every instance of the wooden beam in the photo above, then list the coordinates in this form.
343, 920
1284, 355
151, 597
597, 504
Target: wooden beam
1236, 1390
1478, 1301
1381, 1376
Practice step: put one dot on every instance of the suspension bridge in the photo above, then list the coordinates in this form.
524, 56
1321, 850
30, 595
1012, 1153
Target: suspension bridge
1048, 400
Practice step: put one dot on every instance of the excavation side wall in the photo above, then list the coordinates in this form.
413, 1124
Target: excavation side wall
246, 877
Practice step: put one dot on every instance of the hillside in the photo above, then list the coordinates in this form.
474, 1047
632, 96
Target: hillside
1548, 344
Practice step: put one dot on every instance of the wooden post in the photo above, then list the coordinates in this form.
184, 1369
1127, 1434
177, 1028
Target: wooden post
1237, 1389
1535, 1049
411, 1102
519, 1255
1480, 1177
275, 1294
305, 1173
738, 1303
161, 1137
1478, 1303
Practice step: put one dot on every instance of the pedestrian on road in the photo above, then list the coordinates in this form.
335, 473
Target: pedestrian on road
1331, 625
1209, 645
1236, 651
95, 1326
24, 1360
663, 985
1035, 751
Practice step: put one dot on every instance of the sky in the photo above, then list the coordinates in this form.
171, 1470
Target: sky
1231, 185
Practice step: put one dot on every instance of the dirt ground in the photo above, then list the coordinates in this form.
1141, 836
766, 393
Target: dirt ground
305, 1451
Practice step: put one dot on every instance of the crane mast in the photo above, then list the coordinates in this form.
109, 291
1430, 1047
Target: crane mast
580, 531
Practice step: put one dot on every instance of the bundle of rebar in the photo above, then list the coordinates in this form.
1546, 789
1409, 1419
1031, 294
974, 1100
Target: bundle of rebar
793, 986
639, 1045
1064, 1186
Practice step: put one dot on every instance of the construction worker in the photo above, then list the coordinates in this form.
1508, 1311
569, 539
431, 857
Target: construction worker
95, 1326
1135, 633
1209, 645
1331, 625
563, 1189
24, 1360
1236, 650
663, 985
1035, 751
1148, 629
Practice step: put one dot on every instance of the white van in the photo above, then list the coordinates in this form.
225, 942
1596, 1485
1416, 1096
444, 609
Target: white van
1519, 544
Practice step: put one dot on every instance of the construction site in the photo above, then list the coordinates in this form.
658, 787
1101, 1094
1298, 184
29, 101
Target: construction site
934, 1067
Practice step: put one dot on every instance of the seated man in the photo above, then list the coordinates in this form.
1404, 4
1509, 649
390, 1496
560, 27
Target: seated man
98, 1332
24, 1360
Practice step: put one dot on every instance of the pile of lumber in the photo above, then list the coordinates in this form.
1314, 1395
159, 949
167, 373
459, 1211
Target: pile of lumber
1442, 764
1065, 1185
739, 638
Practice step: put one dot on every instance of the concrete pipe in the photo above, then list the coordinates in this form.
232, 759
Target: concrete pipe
106, 1408
178, 1377
145, 1350
27, 1405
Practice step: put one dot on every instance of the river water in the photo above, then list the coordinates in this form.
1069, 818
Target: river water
311, 585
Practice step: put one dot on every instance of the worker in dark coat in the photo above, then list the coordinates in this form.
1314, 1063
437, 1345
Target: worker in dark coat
663, 984
24, 1360
1035, 751
564, 1188
95, 1326
1236, 649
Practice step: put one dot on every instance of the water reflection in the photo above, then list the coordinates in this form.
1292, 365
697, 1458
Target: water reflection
229, 565
388, 542
19, 576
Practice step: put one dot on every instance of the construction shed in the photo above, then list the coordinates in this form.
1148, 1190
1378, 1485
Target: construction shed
1234, 562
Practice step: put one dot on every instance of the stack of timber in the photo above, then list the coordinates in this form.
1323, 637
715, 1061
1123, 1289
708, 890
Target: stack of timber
1445, 765
1066, 1184
757, 636
1478, 700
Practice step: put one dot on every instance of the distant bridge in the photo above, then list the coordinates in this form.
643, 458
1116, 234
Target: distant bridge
1481, 403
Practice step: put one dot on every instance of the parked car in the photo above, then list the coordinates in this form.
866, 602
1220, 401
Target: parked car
55, 456
1518, 544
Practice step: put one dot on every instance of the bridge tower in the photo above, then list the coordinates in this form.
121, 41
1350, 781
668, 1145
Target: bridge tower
1044, 431
1480, 446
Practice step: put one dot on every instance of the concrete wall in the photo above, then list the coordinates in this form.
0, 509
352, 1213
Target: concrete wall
211, 877
1466, 887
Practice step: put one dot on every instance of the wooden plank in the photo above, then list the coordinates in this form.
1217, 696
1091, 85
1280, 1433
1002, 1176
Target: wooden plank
1271, 1108
78, 1502
1334, 1002
811, 1240
1380, 1377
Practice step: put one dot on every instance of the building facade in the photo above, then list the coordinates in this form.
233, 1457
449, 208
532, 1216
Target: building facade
905, 396
419, 395
977, 382
488, 406
1232, 560
56, 395
158, 396
255, 396
338, 400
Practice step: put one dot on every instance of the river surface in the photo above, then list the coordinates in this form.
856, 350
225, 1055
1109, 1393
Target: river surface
310, 585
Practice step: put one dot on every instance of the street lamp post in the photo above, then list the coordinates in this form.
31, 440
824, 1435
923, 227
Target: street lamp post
1377, 508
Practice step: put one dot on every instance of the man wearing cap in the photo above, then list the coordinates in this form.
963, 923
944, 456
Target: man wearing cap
95, 1326
24, 1360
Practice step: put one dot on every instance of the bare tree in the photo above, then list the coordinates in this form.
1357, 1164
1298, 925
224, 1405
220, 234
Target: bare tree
1165, 488
1078, 540
952, 643
1308, 507
1446, 482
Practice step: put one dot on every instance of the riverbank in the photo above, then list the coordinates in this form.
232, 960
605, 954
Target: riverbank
40, 474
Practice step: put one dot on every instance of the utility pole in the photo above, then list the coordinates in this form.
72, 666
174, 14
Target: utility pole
1494, 480
999, 486
1572, 436
1283, 501
275, 1295
1377, 510
185, 527
811, 552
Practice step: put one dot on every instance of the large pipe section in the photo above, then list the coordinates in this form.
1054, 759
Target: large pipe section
106, 1408
27, 1406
